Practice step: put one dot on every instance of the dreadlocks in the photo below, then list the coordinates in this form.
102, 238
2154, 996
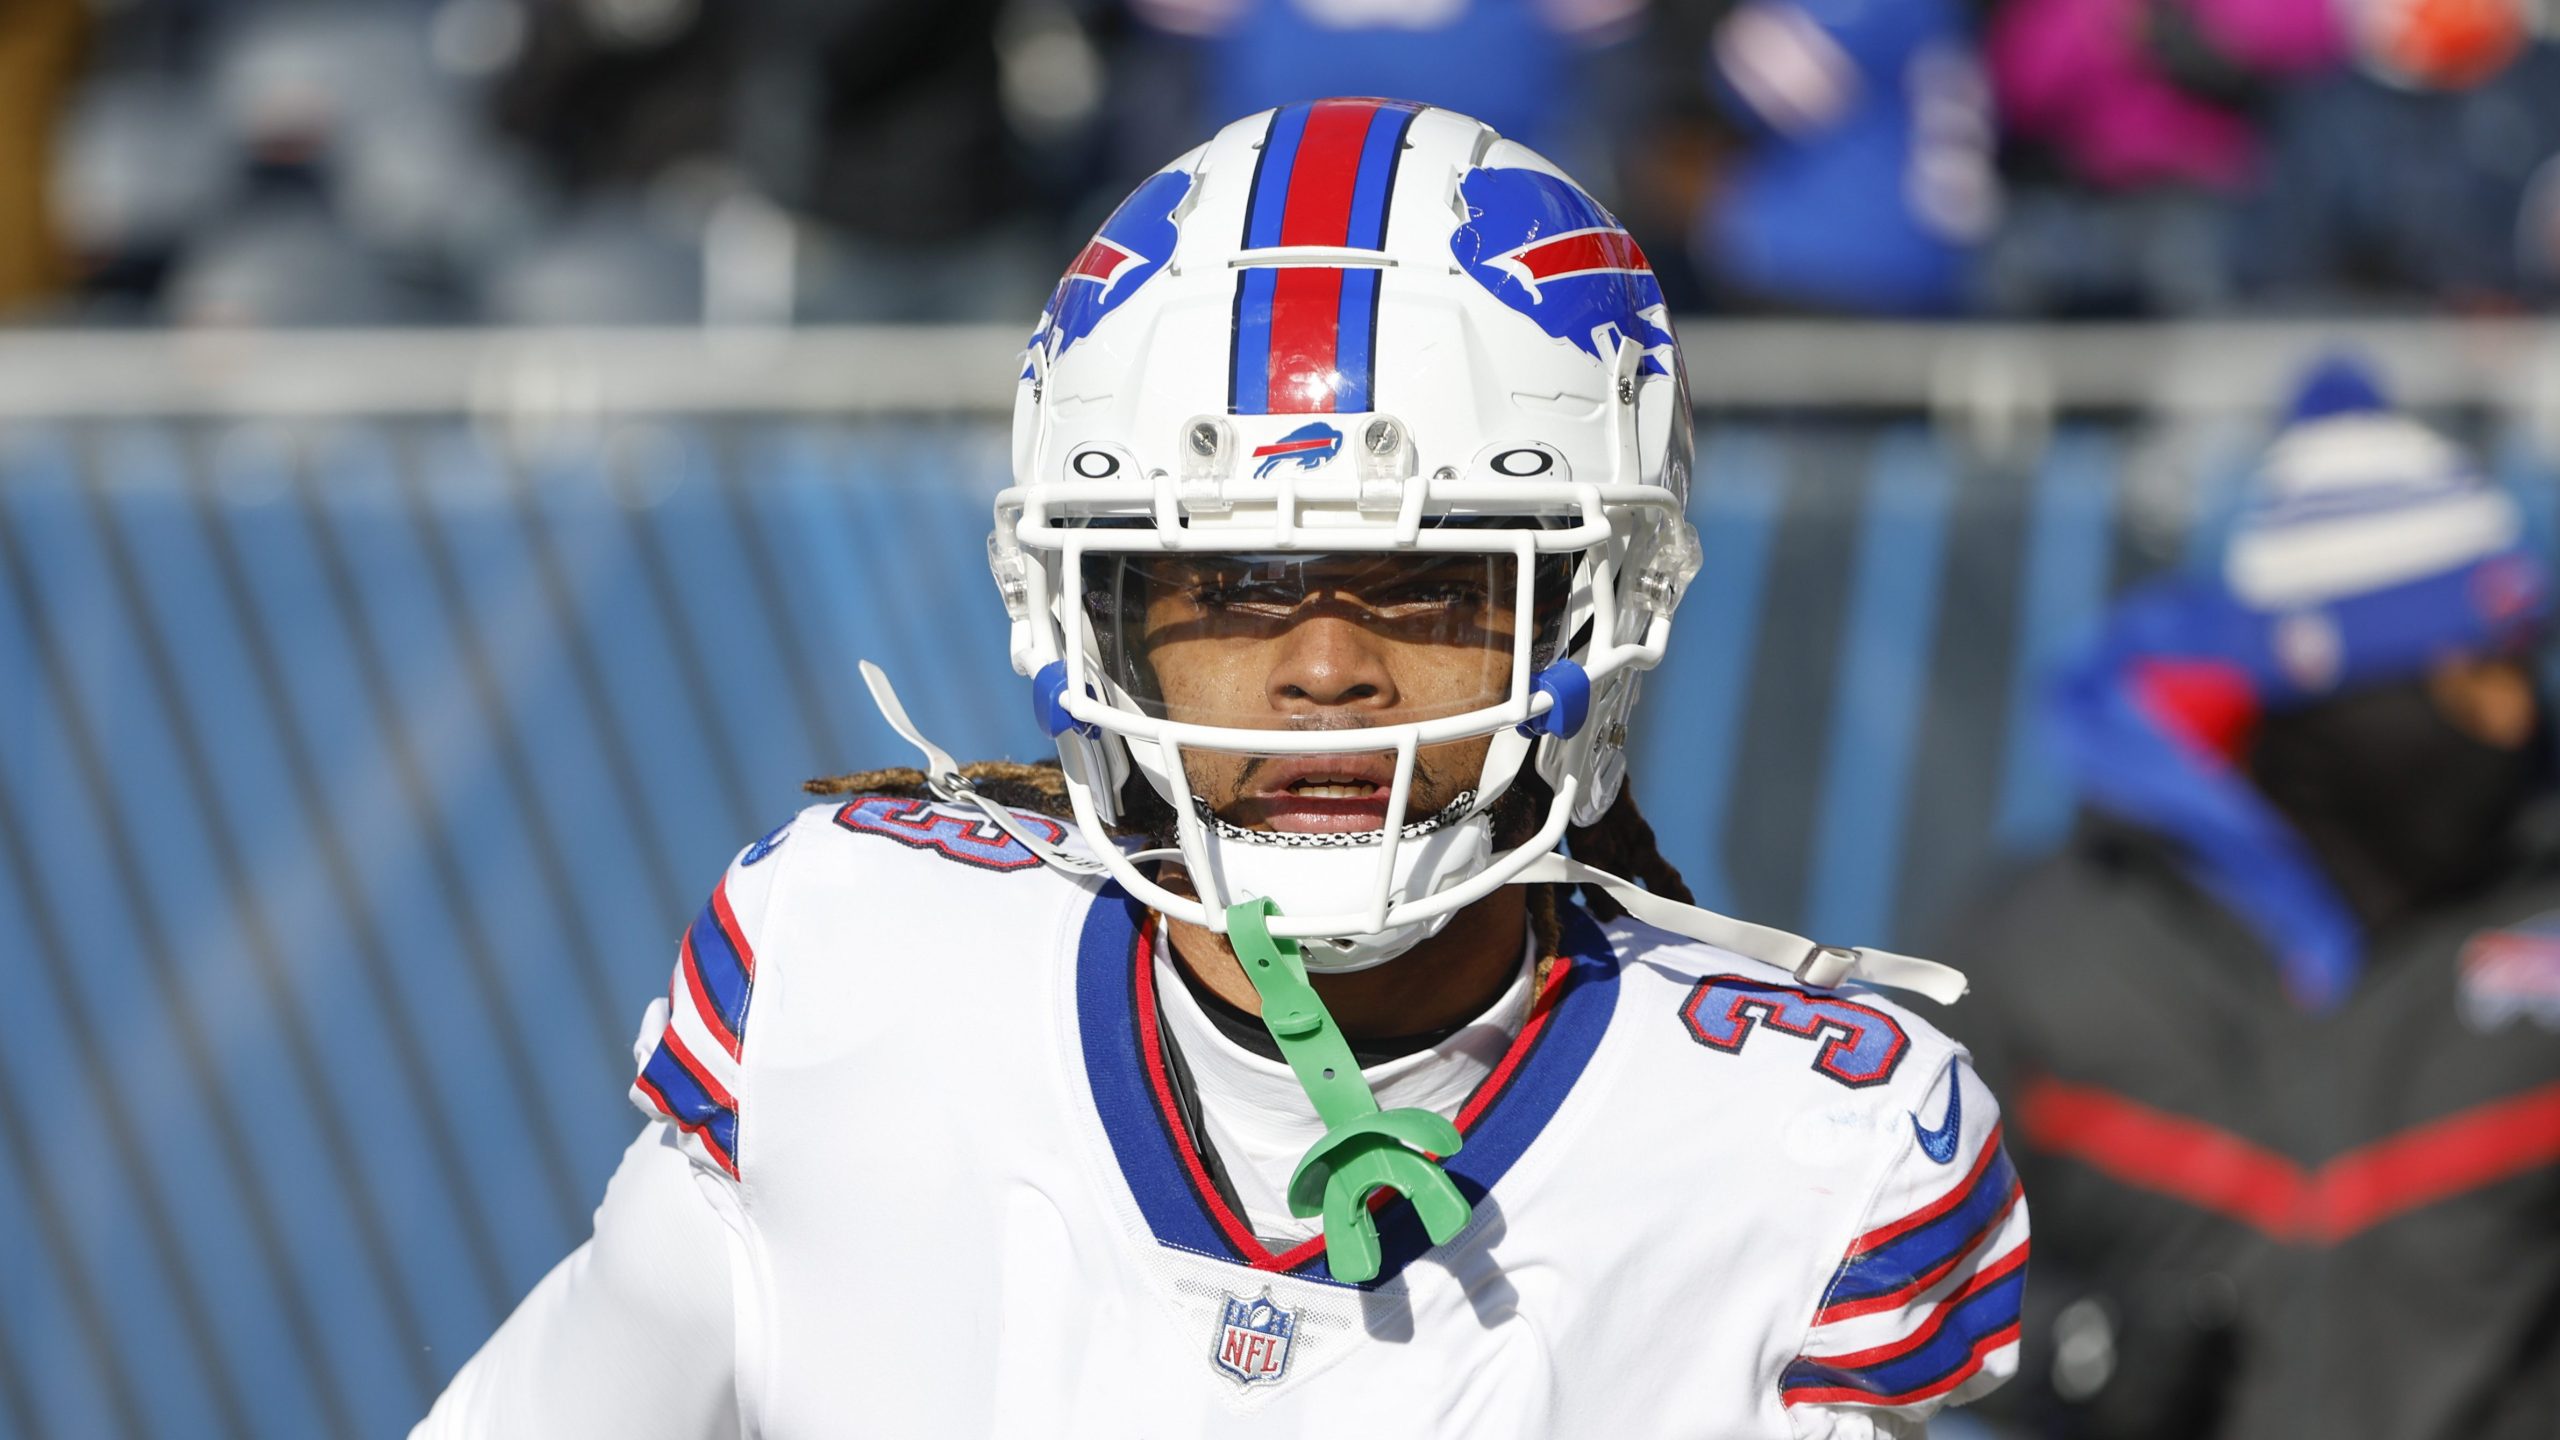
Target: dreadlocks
1620, 841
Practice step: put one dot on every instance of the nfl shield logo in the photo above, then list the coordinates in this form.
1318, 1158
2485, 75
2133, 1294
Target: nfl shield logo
1253, 1339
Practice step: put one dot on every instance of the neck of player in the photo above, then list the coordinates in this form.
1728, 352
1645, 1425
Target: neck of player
1444, 981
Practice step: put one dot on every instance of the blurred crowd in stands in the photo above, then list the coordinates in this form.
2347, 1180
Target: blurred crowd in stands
369, 162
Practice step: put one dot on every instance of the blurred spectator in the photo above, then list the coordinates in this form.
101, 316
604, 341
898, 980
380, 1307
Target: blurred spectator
1839, 154
609, 93
776, 161
141, 167
39, 48
2182, 156
2277, 1031
886, 123
629, 109
2133, 126
295, 89
1509, 63
2128, 93
2376, 191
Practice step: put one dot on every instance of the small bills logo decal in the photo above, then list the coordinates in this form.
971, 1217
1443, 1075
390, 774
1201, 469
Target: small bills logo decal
1306, 447
1253, 1339
2512, 974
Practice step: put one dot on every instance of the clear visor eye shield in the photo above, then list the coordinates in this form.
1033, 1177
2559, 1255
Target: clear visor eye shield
1204, 645
1096, 573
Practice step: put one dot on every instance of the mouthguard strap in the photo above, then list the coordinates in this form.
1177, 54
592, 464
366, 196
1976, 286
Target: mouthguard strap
1364, 1148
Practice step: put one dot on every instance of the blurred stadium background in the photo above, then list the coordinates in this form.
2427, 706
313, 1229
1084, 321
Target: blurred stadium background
452, 451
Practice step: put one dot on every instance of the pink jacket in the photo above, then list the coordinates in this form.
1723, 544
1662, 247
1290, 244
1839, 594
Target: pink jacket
2077, 75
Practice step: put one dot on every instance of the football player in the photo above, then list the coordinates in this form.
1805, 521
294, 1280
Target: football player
1265, 1066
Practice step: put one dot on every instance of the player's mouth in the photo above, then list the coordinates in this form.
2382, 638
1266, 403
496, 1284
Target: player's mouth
1316, 794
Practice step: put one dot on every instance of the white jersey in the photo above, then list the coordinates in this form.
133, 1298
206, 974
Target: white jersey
921, 1169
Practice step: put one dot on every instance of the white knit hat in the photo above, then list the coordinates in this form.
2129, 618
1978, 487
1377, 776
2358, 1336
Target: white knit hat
2353, 498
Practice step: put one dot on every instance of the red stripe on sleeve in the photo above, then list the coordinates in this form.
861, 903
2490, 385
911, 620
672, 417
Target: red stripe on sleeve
702, 1005
1902, 1294
710, 1143
700, 1072
1885, 1234
1990, 1275
730, 927
1849, 1395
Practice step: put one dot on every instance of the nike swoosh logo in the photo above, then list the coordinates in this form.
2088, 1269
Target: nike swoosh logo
1940, 1144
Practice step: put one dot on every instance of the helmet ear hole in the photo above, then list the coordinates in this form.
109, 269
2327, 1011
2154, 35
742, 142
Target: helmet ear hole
1597, 751
1136, 807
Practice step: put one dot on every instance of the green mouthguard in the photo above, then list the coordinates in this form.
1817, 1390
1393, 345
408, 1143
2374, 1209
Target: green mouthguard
1364, 1149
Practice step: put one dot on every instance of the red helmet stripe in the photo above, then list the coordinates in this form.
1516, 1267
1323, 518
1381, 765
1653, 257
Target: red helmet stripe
1295, 337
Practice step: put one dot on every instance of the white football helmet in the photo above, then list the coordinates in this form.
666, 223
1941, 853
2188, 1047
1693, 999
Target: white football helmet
1343, 345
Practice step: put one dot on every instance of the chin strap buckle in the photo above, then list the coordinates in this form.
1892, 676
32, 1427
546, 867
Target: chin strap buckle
1827, 966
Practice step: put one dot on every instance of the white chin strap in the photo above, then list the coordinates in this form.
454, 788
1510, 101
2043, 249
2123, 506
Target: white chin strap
1432, 862
1309, 880
1822, 966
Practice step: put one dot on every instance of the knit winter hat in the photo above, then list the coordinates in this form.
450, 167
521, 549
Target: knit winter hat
2373, 547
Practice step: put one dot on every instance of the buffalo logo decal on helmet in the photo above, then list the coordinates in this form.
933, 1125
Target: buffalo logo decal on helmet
1548, 251
1308, 446
1128, 251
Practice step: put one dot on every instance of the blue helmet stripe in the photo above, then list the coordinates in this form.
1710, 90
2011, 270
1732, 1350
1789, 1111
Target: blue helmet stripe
1270, 200
1249, 376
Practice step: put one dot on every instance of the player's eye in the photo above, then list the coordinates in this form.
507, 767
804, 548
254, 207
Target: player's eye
1245, 595
1448, 593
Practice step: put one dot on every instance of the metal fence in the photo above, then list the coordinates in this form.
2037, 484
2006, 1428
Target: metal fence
374, 710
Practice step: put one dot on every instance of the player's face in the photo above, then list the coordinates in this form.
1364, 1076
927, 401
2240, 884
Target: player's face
1319, 642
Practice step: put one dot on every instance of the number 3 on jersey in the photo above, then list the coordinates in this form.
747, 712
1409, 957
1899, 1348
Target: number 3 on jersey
1862, 1046
969, 839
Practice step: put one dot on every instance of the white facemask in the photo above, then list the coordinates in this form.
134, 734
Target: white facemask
1308, 874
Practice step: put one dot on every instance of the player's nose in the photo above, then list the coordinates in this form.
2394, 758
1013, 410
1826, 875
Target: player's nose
1329, 663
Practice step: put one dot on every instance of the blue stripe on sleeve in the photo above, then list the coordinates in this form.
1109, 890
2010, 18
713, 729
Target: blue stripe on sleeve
688, 1100
1907, 1257
1948, 1350
723, 971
